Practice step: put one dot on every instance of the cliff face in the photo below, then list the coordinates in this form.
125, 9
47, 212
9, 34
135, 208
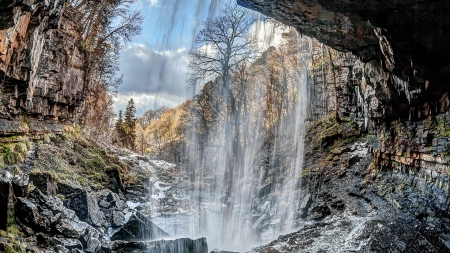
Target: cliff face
42, 64
402, 43
377, 181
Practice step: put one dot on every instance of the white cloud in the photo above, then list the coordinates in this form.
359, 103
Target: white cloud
153, 78
144, 102
141, 4
153, 2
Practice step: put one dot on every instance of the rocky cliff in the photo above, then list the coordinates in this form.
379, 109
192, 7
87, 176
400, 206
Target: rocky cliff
403, 45
42, 64
378, 179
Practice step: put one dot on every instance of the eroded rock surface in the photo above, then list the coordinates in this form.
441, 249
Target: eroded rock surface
42, 64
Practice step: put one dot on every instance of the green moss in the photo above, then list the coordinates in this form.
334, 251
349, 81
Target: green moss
60, 196
11, 244
441, 128
305, 173
79, 160
72, 132
327, 132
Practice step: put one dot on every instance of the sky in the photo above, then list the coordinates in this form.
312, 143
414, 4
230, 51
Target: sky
154, 64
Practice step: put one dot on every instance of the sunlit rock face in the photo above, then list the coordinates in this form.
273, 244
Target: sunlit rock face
42, 65
403, 43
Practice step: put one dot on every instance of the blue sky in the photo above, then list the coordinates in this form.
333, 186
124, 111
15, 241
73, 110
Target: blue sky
154, 65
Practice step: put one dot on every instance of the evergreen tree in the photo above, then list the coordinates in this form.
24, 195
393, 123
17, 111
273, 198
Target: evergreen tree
129, 125
119, 128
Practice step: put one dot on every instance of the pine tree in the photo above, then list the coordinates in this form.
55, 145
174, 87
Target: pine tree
129, 125
119, 128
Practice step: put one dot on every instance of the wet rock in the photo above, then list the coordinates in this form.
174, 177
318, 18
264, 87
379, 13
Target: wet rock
118, 219
20, 185
306, 202
103, 204
115, 201
222, 251
318, 212
138, 227
85, 206
183, 245
69, 244
44, 182
71, 228
90, 239
93, 246
6, 200
28, 213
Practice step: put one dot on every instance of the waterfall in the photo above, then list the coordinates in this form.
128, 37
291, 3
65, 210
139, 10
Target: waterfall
244, 206
245, 178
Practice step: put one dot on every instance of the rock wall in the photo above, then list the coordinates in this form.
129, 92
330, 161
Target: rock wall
42, 64
401, 43
381, 175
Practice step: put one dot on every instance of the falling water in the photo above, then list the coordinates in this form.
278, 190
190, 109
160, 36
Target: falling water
257, 205
259, 202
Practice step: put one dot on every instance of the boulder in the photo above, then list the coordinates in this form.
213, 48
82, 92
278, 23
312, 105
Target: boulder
118, 219
103, 204
83, 203
138, 228
183, 245
71, 228
6, 200
50, 206
43, 240
115, 180
28, 213
108, 199
61, 249
20, 185
90, 239
94, 246
69, 188
69, 244
44, 182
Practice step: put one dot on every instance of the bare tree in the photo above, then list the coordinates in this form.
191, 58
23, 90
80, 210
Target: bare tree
222, 47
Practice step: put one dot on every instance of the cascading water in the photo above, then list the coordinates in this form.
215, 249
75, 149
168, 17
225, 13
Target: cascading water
256, 205
244, 177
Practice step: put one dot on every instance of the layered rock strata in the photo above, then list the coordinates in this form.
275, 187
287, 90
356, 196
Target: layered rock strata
42, 64
380, 175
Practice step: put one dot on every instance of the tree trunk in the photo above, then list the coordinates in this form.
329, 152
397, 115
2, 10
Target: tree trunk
336, 99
